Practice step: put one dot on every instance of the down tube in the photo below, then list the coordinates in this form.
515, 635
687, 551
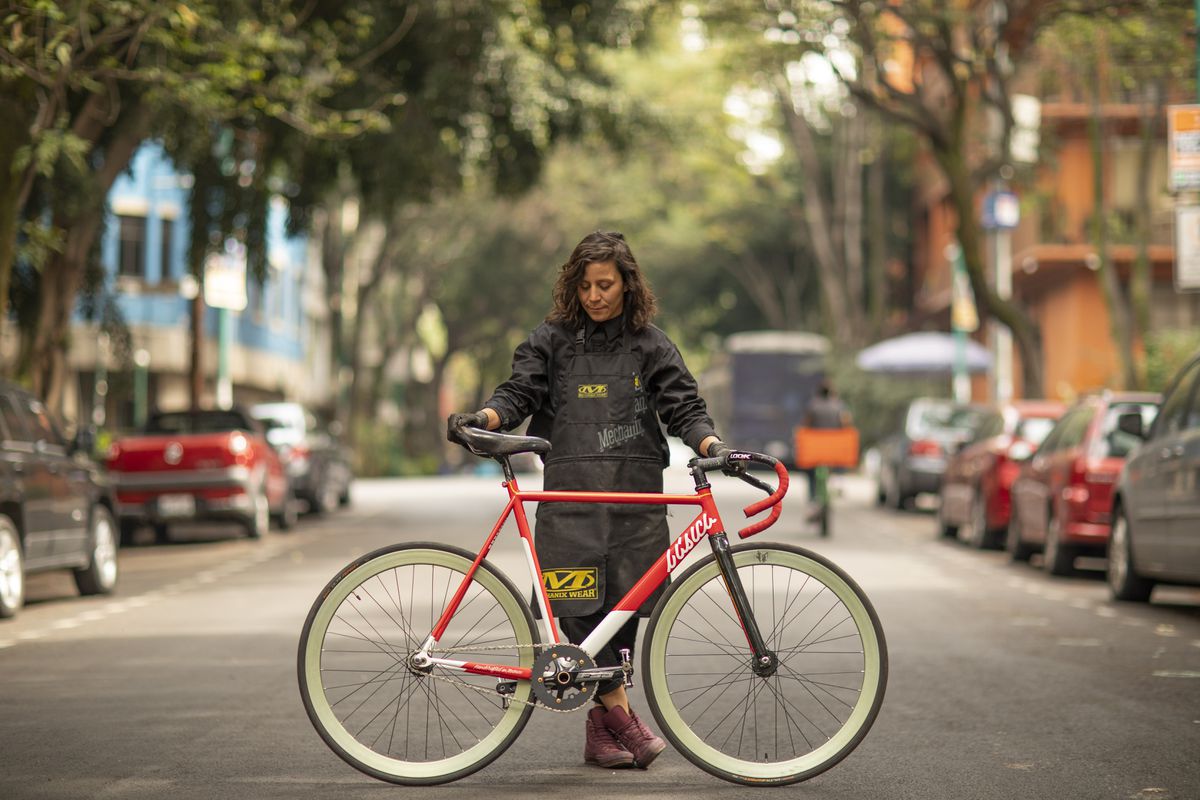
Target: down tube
707, 523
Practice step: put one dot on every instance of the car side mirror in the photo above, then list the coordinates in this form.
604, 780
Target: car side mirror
1131, 423
1020, 451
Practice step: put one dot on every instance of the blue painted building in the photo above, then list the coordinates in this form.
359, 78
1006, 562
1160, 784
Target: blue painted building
279, 338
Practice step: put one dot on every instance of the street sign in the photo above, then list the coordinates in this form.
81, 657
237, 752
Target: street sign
1001, 211
1187, 248
225, 278
1183, 147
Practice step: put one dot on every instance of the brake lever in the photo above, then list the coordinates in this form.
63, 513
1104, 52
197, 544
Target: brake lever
755, 482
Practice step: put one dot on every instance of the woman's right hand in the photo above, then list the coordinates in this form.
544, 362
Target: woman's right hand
476, 419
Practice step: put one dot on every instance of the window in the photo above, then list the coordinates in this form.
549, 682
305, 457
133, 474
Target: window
1173, 416
168, 230
131, 253
38, 420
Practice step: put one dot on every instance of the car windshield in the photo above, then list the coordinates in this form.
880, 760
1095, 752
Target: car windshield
186, 422
1115, 443
946, 419
1034, 429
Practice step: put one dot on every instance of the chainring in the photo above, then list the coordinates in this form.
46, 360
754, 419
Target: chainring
554, 677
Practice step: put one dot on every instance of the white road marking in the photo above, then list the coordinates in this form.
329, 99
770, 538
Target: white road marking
1166, 673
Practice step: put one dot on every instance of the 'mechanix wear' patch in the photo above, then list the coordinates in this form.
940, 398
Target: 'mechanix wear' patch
578, 583
593, 391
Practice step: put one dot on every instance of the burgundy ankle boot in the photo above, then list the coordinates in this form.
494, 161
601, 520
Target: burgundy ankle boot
600, 748
633, 734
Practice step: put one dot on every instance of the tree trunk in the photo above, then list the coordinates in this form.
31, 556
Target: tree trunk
877, 226
64, 272
14, 134
1110, 283
817, 216
367, 301
851, 228
1025, 332
196, 343
1140, 276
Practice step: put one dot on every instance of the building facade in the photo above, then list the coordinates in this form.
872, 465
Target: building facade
280, 340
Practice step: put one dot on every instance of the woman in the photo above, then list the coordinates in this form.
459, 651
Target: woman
597, 377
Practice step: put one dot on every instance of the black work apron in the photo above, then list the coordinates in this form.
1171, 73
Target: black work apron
605, 438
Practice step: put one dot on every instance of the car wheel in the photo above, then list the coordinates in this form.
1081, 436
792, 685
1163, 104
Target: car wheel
285, 520
344, 497
260, 521
162, 533
1123, 581
979, 536
12, 569
100, 575
327, 497
1017, 549
1058, 558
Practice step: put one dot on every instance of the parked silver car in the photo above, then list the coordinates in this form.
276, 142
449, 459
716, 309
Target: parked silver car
1156, 509
313, 456
912, 459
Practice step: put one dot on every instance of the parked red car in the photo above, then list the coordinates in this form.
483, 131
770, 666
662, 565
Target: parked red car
1062, 500
199, 466
976, 486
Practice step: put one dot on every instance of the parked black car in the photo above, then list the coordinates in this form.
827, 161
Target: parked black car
1156, 509
56, 508
316, 461
912, 459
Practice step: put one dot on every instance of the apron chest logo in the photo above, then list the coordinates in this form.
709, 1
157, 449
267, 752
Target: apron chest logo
593, 391
571, 584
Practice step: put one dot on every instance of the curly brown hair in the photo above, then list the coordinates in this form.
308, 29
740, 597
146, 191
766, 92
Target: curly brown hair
597, 248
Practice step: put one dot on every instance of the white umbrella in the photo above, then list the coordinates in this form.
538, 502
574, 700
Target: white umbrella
926, 353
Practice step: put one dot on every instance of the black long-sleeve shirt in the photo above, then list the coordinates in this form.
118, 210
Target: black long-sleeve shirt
670, 385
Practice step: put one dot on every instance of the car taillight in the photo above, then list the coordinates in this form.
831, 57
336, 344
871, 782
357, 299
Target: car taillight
238, 444
1076, 490
924, 447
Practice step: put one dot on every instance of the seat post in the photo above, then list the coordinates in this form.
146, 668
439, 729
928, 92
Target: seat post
508, 470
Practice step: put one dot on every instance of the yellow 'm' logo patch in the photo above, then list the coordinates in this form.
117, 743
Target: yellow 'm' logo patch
593, 390
571, 584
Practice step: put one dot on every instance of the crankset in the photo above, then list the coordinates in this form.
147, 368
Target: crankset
564, 677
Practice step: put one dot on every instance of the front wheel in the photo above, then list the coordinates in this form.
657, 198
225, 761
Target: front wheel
797, 722
391, 718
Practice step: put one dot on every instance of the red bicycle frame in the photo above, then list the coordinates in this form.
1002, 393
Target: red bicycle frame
706, 524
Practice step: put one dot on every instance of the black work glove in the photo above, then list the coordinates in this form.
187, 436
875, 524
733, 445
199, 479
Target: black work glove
476, 419
719, 449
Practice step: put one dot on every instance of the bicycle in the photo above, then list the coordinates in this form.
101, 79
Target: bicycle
765, 664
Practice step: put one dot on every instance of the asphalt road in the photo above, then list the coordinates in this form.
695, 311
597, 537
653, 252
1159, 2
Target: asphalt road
1004, 683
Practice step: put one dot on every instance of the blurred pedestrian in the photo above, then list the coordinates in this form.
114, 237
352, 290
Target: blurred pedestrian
597, 377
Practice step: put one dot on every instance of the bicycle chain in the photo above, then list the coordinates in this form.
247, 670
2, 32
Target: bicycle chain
493, 692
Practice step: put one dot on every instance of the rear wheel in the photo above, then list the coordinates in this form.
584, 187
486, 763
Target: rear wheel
799, 720
100, 575
391, 718
1058, 557
1018, 549
980, 537
288, 515
1123, 581
259, 522
12, 569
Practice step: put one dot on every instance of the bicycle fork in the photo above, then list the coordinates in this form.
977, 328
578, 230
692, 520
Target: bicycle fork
764, 662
